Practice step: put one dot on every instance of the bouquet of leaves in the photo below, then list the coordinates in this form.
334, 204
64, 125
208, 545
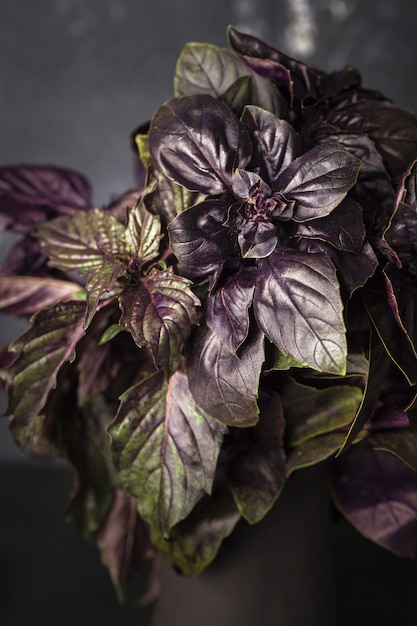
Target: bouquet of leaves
247, 310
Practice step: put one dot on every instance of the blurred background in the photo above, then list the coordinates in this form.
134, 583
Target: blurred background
76, 77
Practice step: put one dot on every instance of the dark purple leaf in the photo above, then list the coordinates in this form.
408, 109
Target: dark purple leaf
224, 385
42, 350
401, 234
25, 258
396, 135
124, 542
378, 494
318, 180
297, 304
25, 295
354, 269
257, 239
343, 228
227, 308
198, 236
198, 142
33, 194
257, 461
374, 190
402, 297
165, 449
276, 144
304, 81
159, 312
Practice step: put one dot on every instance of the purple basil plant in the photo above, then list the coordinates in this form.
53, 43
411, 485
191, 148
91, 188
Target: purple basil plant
250, 309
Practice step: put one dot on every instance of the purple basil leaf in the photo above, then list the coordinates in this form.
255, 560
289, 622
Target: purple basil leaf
225, 386
158, 311
124, 542
343, 228
318, 180
42, 350
25, 258
257, 239
396, 135
311, 412
227, 308
198, 236
378, 494
25, 295
374, 190
195, 541
297, 304
276, 144
257, 461
304, 80
354, 269
401, 234
165, 449
83, 241
402, 297
33, 194
198, 142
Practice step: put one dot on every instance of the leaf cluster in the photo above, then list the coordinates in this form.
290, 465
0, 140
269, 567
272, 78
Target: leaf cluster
249, 311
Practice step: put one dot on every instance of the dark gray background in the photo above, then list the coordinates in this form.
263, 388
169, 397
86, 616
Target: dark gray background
76, 77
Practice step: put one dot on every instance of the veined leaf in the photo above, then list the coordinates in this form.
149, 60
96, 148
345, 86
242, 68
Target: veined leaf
37, 193
159, 312
257, 461
82, 241
225, 385
276, 144
165, 449
227, 308
25, 295
42, 350
207, 69
100, 282
143, 234
194, 542
318, 180
198, 142
297, 304
377, 493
